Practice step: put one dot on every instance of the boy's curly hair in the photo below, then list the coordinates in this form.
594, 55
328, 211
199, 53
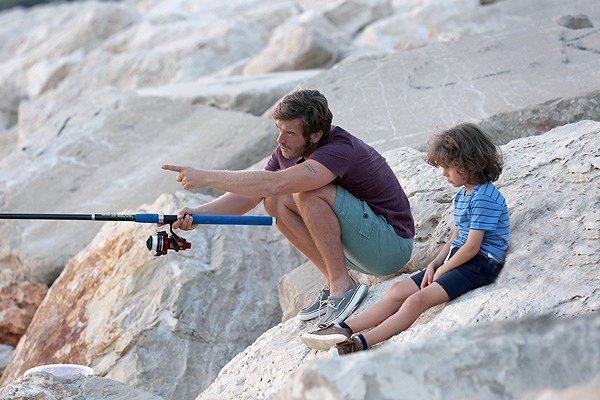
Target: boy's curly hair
469, 149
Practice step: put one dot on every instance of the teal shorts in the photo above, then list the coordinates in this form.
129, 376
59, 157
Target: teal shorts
370, 244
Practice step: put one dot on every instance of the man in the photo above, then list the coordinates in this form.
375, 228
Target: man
335, 199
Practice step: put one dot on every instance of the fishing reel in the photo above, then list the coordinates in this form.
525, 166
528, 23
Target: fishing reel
162, 242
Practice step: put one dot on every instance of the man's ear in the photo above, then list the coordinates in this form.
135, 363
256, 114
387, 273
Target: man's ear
316, 136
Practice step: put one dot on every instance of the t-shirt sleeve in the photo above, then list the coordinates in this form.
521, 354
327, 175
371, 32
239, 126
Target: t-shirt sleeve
336, 157
485, 214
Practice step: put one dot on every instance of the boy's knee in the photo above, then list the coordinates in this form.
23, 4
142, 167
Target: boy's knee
416, 301
399, 291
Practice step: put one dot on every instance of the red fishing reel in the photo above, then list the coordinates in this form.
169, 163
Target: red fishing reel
162, 242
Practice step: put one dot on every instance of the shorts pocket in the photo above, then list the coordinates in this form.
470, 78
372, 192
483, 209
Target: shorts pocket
367, 223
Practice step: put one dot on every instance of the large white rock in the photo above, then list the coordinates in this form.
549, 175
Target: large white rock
56, 36
163, 324
551, 184
401, 98
300, 43
515, 360
40, 46
350, 16
251, 94
153, 54
415, 24
43, 386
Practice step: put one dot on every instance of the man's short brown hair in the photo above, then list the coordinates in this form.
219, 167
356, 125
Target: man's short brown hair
311, 107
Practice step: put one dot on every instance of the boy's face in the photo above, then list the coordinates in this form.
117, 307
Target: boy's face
453, 176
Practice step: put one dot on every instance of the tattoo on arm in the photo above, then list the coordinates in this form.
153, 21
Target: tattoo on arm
310, 168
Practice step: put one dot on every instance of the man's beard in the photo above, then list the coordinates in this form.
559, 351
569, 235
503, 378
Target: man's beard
304, 151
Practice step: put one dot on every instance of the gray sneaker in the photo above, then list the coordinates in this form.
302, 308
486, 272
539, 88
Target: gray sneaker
325, 338
316, 309
339, 308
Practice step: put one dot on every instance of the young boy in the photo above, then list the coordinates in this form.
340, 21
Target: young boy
472, 257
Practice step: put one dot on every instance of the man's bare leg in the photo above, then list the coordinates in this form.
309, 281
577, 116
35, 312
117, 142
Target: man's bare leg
316, 212
291, 225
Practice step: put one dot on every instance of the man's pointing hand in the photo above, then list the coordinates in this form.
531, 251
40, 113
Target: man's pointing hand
190, 178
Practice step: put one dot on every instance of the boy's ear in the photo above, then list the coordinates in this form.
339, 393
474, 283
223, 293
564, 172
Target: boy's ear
316, 136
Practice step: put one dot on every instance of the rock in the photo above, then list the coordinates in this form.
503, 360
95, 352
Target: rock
149, 54
389, 100
532, 120
576, 392
163, 324
8, 105
60, 30
47, 74
396, 32
550, 184
299, 288
351, 16
101, 154
263, 16
515, 359
579, 21
18, 303
5, 354
43, 386
301, 43
416, 24
250, 94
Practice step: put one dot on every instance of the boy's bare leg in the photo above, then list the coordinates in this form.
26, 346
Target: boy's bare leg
408, 313
389, 304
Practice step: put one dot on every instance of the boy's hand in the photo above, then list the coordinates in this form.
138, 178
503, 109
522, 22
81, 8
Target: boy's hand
429, 276
440, 271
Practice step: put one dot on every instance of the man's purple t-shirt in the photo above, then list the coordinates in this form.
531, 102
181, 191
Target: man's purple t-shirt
363, 172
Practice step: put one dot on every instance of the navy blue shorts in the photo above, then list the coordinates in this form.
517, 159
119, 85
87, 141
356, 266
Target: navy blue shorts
477, 272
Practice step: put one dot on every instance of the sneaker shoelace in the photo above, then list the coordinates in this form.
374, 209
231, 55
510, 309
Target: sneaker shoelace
331, 303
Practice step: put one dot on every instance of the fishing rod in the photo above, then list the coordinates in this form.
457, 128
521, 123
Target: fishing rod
162, 242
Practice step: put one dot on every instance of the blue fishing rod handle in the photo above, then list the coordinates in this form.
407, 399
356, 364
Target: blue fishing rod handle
232, 219
209, 219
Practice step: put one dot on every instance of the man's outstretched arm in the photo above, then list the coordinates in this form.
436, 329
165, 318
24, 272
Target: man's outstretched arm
309, 175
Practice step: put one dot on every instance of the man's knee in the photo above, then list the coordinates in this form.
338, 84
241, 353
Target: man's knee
326, 193
275, 205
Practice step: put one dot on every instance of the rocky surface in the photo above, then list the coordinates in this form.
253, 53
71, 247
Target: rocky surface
399, 99
103, 155
5, 354
74, 122
551, 184
42, 386
249, 94
164, 324
94, 96
509, 360
18, 303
